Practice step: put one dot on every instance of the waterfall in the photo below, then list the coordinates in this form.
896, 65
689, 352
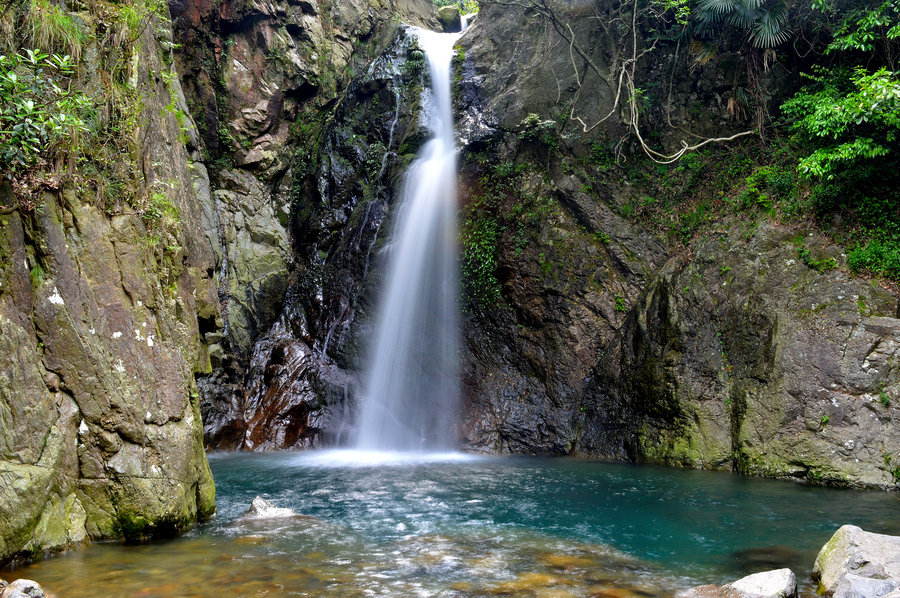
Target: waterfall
411, 389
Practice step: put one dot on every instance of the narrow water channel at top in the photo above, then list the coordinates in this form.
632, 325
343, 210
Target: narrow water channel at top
456, 525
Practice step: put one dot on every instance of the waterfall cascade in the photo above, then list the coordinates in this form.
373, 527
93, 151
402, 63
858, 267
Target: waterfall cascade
411, 389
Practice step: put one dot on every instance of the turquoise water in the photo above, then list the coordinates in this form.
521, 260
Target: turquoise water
472, 526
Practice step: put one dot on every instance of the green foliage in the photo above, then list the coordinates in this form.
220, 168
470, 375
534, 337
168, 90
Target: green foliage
620, 304
879, 256
160, 208
853, 116
850, 122
864, 26
764, 21
532, 128
680, 9
691, 220
36, 275
465, 6
39, 114
133, 16
478, 265
824, 421
53, 29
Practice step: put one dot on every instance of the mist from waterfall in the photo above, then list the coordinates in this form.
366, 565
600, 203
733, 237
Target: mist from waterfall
411, 391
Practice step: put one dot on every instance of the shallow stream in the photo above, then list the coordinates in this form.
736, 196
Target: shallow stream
455, 525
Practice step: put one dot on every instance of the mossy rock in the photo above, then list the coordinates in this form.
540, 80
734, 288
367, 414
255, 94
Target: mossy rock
450, 19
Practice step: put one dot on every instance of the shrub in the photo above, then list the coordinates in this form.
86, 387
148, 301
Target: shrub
38, 114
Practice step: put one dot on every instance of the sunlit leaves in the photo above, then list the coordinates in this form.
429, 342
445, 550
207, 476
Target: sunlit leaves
37, 111
863, 28
855, 117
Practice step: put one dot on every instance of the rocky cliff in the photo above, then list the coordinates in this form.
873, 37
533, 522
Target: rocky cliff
719, 339
740, 343
299, 109
101, 309
232, 274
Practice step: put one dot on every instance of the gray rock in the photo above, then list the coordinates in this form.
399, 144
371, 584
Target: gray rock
263, 509
745, 355
779, 583
97, 355
449, 18
23, 588
858, 564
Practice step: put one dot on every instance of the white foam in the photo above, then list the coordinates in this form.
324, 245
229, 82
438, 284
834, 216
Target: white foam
361, 458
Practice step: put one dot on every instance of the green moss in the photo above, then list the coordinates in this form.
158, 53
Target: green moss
135, 527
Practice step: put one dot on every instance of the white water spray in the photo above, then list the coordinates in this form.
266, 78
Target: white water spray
412, 386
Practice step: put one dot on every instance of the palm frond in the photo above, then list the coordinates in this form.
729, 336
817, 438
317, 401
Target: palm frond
771, 29
751, 4
744, 16
702, 52
715, 10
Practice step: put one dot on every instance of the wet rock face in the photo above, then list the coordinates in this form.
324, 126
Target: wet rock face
746, 357
100, 433
261, 80
588, 337
598, 342
298, 385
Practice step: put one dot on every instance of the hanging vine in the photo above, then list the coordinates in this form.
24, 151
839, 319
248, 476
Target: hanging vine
624, 63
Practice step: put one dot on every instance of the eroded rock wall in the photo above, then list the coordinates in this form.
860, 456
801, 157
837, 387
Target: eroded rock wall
593, 334
744, 356
264, 82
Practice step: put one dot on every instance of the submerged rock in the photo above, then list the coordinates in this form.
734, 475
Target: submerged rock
263, 509
858, 563
779, 583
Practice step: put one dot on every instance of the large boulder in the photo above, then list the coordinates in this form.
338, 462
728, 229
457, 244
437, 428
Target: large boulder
856, 564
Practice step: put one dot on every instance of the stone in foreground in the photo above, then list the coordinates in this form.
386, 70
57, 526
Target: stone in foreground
858, 563
21, 588
779, 583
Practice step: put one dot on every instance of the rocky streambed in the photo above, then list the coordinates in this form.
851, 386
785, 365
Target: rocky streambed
335, 524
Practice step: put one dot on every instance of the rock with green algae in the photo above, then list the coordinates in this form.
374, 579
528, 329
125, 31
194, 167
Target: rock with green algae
855, 563
746, 357
449, 18
99, 339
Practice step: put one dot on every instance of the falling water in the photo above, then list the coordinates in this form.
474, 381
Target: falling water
409, 401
